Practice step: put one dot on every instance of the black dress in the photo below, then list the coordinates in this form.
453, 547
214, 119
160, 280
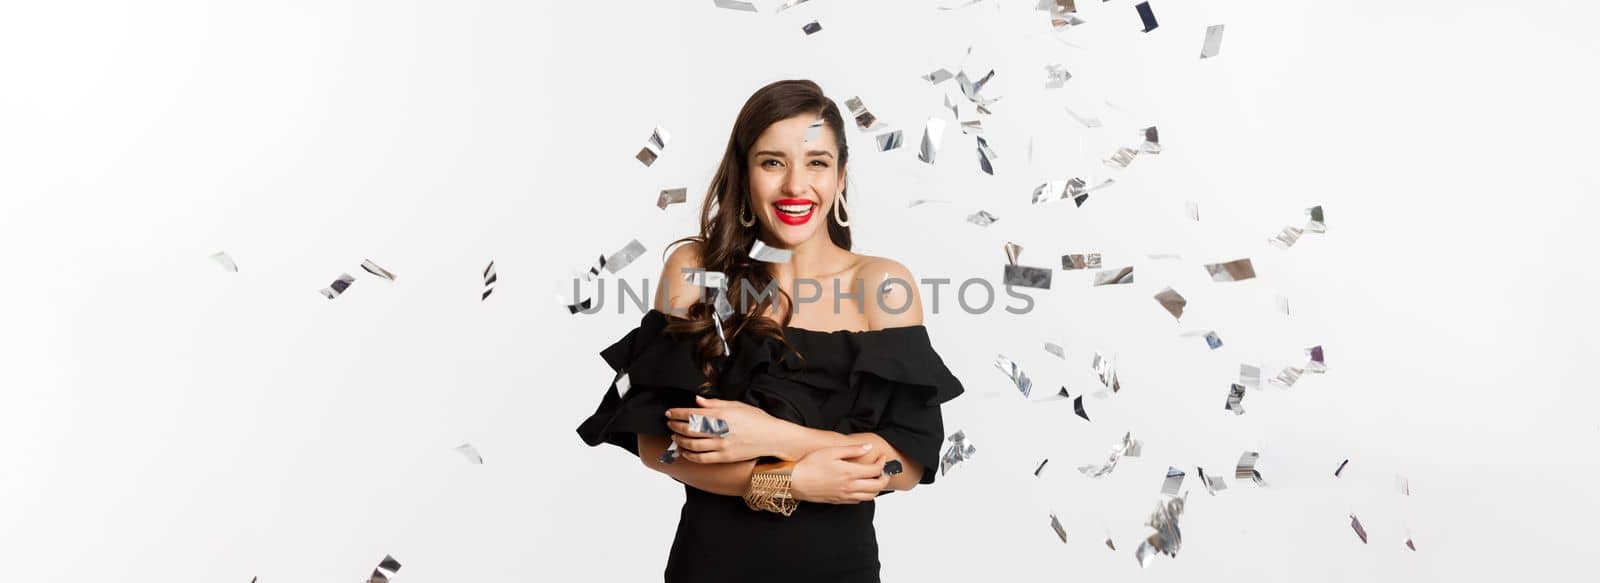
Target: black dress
889, 382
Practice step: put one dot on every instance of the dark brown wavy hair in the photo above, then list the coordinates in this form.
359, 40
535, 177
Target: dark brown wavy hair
724, 244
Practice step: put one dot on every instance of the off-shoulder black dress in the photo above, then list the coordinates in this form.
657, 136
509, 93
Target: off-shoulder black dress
889, 382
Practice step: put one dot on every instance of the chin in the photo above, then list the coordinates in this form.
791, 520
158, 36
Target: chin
791, 237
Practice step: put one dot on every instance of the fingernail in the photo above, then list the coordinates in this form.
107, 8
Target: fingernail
866, 446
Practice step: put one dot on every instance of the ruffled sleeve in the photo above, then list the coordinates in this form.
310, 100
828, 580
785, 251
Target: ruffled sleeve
661, 374
902, 382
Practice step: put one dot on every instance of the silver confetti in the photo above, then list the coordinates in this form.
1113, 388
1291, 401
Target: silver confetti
973, 90
938, 76
1192, 209
623, 383
471, 453
787, 4
657, 142
708, 425
1122, 158
1129, 447
1080, 261
813, 130
1013, 251
338, 286
1040, 468
670, 455
1212, 486
972, 126
958, 452
1173, 482
225, 261
671, 196
633, 250
1341, 467
1355, 524
1213, 43
1402, 484
865, 121
1236, 270
387, 564
1287, 377
1283, 304
489, 277
1317, 363
1235, 399
986, 156
932, 134
1014, 372
1246, 468
1107, 371
1152, 141
982, 218
703, 278
1114, 276
1025, 276
736, 5
1314, 222
1172, 301
1166, 540
1286, 238
761, 252
1250, 375
1077, 407
1146, 15
1213, 340
1055, 76
889, 141
373, 268
1055, 524
1055, 349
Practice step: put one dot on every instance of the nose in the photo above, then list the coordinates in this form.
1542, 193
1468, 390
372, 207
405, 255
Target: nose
796, 184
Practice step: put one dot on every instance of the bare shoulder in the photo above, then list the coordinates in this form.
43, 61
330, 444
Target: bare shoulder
892, 300
674, 294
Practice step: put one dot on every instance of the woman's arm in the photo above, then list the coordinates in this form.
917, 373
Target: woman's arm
803, 440
727, 479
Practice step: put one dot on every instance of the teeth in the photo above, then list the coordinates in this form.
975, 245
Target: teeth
796, 209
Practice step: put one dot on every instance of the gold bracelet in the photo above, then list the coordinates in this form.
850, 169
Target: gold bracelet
770, 489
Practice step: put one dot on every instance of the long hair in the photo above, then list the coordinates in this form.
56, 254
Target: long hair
724, 244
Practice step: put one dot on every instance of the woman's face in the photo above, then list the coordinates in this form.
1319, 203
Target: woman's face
793, 182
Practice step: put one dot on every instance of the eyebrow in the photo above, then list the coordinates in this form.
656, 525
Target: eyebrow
777, 154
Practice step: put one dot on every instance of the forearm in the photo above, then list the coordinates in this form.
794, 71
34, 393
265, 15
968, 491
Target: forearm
804, 440
727, 479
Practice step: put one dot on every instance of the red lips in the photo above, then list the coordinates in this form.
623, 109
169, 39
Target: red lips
794, 219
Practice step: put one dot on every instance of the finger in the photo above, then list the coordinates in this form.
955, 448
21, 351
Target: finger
683, 413
697, 445
843, 452
709, 402
682, 428
861, 471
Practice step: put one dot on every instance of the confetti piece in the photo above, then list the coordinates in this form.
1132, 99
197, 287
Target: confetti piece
1040, 468
1236, 270
973, 90
1166, 540
489, 277
889, 141
986, 157
1172, 301
1283, 305
471, 453
623, 383
670, 455
932, 134
1152, 141
583, 306
671, 196
1410, 545
736, 5
813, 130
1122, 158
938, 76
1235, 399
1129, 447
1355, 524
1014, 372
1212, 486
1056, 76
865, 121
1055, 524
1402, 484
1314, 222
787, 4
761, 252
1013, 251
1317, 364
1077, 407
1055, 349
1246, 468
657, 142
373, 268
1063, 393
1286, 238
958, 452
1114, 276
387, 564
1213, 340
1173, 482
1080, 261
1025, 276
1109, 544
225, 261
1287, 377
1341, 468
1146, 15
625, 256
1250, 375
982, 218
338, 286
1213, 44
1192, 209
1107, 371
708, 425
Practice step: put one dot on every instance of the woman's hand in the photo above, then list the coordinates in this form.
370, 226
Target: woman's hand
848, 474
752, 433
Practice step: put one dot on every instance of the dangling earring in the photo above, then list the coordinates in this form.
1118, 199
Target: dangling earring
838, 203
744, 209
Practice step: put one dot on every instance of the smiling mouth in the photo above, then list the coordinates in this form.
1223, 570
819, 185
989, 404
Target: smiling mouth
794, 210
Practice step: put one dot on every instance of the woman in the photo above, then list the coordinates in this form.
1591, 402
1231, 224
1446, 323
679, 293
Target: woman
828, 402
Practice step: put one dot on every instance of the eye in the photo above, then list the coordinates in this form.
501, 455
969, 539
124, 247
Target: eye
822, 163
767, 161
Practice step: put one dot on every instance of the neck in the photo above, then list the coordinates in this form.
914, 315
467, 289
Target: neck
813, 259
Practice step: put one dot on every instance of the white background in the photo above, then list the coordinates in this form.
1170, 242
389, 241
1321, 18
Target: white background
164, 420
